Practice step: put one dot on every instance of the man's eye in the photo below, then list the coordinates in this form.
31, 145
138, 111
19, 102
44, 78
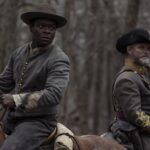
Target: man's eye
40, 26
50, 27
141, 47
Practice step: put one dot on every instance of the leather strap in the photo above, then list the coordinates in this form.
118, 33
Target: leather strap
50, 137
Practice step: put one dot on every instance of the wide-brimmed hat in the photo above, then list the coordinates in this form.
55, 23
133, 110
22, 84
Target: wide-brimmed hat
44, 11
135, 36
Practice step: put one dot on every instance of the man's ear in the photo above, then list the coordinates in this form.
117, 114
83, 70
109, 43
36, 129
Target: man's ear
31, 28
129, 49
31, 25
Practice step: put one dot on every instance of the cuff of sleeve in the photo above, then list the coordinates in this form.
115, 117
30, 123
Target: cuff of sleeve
17, 100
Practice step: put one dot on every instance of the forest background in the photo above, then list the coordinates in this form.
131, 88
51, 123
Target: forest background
89, 40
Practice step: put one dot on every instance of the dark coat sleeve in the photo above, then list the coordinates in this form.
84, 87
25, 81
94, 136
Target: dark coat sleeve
56, 83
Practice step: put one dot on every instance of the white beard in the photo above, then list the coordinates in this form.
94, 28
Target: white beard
144, 61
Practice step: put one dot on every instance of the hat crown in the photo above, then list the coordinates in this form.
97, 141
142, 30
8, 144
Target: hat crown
140, 32
44, 8
137, 35
44, 11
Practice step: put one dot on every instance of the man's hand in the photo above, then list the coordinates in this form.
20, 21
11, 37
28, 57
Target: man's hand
7, 101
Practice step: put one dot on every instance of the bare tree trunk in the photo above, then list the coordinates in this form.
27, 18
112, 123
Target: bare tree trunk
132, 14
105, 36
77, 42
88, 105
8, 15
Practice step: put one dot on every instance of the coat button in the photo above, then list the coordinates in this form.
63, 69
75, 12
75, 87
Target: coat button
20, 84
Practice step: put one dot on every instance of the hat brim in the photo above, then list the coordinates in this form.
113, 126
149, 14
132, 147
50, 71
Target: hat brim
30, 16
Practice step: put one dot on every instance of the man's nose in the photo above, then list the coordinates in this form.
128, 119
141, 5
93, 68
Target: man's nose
147, 51
47, 30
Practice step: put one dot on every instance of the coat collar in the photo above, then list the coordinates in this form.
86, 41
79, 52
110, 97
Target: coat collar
38, 49
129, 63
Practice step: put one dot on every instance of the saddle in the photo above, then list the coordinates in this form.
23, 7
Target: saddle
126, 134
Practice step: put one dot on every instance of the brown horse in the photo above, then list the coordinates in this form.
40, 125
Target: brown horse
90, 142
66, 140
93, 142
